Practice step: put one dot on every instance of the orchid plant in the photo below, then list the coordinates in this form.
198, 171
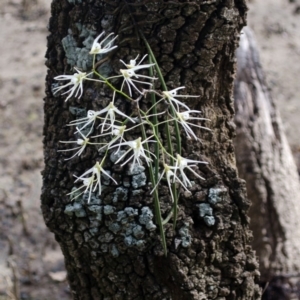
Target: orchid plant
115, 127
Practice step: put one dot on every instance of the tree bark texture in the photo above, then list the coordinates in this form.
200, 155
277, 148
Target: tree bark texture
265, 161
209, 256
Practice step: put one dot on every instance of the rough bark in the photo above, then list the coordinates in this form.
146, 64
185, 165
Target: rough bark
194, 43
265, 161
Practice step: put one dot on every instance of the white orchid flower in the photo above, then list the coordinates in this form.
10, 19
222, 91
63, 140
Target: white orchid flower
90, 119
171, 178
127, 75
87, 184
139, 152
100, 48
132, 63
76, 80
111, 112
172, 95
182, 163
130, 77
81, 142
117, 133
183, 117
91, 183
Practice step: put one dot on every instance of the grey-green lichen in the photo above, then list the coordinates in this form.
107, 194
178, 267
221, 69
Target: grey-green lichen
209, 220
127, 226
106, 223
120, 194
131, 212
96, 211
108, 209
129, 241
139, 180
138, 232
76, 209
135, 170
185, 237
216, 195
206, 212
146, 218
116, 155
77, 56
121, 216
114, 227
114, 251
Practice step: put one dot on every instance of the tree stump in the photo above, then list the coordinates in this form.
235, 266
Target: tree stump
265, 161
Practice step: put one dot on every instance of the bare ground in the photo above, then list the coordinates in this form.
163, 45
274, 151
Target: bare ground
31, 263
27, 249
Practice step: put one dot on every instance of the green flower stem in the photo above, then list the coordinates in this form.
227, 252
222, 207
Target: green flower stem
167, 219
177, 131
154, 129
163, 83
151, 108
94, 59
155, 121
112, 87
156, 198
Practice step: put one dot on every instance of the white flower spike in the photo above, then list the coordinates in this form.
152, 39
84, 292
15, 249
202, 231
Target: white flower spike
100, 48
76, 80
182, 163
139, 152
172, 95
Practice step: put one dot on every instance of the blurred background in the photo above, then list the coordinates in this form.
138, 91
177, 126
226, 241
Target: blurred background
31, 264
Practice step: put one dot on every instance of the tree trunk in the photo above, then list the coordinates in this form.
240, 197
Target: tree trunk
265, 161
209, 256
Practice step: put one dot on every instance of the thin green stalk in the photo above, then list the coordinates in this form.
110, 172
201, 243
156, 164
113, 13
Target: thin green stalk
156, 200
167, 219
155, 121
153, 127
164, 86
112, 87
177, 131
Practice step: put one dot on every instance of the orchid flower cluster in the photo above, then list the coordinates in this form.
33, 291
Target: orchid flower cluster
114, 126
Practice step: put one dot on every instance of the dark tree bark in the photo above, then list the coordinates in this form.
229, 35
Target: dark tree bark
194, 43
265, 161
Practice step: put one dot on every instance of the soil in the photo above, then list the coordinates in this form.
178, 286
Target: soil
31, 263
